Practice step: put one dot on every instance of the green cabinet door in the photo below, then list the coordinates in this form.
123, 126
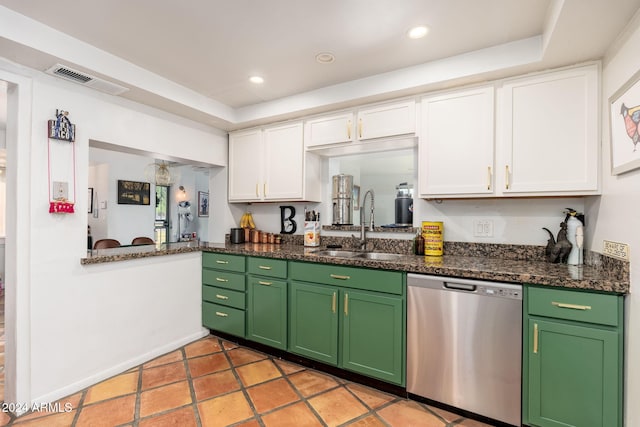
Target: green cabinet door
267, 311
373, 335
573, 375
313, 321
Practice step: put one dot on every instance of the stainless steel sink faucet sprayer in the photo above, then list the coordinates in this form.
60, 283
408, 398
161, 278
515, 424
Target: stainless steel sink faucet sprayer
363, 231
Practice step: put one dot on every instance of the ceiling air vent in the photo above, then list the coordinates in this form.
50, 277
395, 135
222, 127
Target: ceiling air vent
86, 80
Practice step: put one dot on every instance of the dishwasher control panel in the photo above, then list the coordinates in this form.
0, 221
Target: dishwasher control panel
500, 292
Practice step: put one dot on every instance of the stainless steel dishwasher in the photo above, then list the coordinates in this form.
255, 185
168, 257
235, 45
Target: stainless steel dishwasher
464, 344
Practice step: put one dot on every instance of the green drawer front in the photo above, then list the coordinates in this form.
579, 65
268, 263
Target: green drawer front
223, 261
267, 267
225, 319
223, 279
587, 307
349, 277
224, 297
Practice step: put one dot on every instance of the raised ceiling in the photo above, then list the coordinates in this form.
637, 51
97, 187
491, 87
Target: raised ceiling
194, 57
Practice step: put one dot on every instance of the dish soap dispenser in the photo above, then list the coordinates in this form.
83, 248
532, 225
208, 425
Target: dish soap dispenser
575, 235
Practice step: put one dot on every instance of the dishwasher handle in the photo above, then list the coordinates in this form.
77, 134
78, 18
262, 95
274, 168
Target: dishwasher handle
460, 286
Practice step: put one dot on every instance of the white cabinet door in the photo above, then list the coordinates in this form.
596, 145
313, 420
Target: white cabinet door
457, 144
245, 165
284, 162
387, 120
329, 130
550, 137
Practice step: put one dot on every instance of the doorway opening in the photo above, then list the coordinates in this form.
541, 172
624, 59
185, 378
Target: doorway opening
161, 224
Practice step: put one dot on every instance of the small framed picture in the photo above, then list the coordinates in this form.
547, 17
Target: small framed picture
203, 204
624, 124
90, 200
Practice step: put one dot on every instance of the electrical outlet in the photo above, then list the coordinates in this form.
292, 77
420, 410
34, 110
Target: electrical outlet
615, 249
483, 228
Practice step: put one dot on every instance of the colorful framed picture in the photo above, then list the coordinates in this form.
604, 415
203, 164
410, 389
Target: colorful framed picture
624, 125
133, 193
203, 204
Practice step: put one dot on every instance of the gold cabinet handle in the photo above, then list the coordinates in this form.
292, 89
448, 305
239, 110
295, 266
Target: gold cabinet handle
349, 129
360, 128
571, 306
506, 177
264, 267
339, 277
222, 296
346, 304
333, 303
264, 189
265, 283
535, 338
220, 279
221, 262
489, 178
257, 193
221, 314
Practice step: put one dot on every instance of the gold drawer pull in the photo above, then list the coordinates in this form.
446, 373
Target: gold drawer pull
264, 267
333, 303
265, 283
221, 262
346, 304
488, 177
337, 276
506, 177
221, 296
535, 338
349, 129
221, 314
220, 279
571, 306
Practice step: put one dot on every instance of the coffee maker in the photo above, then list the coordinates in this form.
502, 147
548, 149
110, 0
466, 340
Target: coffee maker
342, 198
404, 205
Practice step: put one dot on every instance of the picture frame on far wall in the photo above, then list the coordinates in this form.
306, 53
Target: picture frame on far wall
203, 204
624, 126
134, 193
90, 200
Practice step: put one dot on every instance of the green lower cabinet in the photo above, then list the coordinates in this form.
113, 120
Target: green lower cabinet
313, 321
573, 375
372, 335
267, 311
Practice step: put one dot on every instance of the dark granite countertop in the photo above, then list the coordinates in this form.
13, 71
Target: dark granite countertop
586, 277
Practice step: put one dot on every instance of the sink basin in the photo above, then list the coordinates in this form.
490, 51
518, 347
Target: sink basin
380, 256
337, 253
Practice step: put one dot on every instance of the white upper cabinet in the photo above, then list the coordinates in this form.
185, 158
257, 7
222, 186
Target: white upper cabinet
386, 120
270, 164
548, 142
456, 148
329, 130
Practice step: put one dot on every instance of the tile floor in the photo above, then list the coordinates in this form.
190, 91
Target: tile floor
213, 382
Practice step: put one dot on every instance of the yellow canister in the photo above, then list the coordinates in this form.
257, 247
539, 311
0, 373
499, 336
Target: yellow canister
433, 232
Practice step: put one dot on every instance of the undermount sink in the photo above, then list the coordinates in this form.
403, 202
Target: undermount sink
338, 253
380, 256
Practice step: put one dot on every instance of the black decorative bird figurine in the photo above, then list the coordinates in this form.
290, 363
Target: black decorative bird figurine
557, 251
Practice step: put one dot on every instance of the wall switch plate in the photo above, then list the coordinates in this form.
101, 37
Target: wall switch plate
615, 249
483, 228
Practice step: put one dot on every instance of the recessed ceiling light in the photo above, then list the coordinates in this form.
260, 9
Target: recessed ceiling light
256, 80
325, 58
417, 32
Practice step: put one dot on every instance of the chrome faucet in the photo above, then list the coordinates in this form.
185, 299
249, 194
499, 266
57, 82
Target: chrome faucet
363, 231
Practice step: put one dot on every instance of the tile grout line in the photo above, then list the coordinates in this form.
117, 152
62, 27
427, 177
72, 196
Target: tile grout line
192, 390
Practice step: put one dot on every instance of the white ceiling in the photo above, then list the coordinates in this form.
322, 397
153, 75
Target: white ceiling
194, 57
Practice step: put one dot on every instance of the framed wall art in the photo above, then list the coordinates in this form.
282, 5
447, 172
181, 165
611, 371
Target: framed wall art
203, 204
133, 193
624, 124
90, 200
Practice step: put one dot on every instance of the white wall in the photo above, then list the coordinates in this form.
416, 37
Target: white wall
74, 323
615, 213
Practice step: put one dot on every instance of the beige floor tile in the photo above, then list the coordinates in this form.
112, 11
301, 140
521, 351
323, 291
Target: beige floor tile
337, 406
184, 417
201, 347
212, 385
164, 398
250, 423
49, 420
371, 397
172, 357
408, 413
108, 413
208, 364
287, 367
224, 410
228, 345
310, 382
296, 415
120, 385
162, 375
242, 356
271, 395
370, 421
258, 372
